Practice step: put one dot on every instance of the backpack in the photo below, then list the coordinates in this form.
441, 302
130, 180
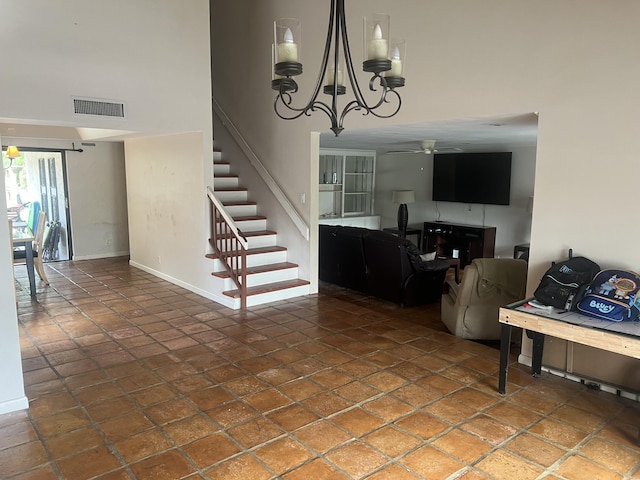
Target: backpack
612, 295
564, 284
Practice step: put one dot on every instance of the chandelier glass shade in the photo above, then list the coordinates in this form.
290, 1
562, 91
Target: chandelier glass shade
383, 58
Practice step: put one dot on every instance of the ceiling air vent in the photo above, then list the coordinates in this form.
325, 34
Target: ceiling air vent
100, 108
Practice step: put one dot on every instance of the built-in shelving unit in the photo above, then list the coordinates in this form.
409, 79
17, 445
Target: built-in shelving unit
347, 181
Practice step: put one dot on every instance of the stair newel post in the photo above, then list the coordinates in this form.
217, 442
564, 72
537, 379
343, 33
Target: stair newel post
243, 287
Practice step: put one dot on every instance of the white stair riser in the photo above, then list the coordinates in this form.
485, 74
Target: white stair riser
241, 210
217, 156
260, 241
257, 259
276, 296
252, 225
233, 196
263, 278
225, 182
221, 170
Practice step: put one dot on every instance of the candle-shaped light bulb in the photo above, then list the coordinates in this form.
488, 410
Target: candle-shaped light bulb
396, 64
378, 47
288, 36
287, 50
377, 32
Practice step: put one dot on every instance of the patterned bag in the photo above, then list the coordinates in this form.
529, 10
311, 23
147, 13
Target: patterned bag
612, 295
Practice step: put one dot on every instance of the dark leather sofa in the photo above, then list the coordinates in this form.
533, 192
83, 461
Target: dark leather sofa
379, 264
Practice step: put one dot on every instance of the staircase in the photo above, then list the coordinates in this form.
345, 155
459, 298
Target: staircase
270, 277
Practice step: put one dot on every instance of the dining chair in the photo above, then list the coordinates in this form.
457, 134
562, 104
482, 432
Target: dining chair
20, 256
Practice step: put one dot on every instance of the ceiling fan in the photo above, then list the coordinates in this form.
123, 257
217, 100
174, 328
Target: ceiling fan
428, 147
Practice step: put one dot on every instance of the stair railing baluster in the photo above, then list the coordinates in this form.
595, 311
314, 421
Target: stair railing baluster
229, 245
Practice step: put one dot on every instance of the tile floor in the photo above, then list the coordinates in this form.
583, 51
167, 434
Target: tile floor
130, 377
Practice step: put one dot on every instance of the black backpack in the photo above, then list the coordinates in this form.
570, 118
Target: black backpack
565, 283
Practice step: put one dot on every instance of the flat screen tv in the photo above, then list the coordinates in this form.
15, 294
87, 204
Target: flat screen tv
483, 178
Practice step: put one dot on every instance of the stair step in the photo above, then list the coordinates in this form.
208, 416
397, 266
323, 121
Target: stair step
229, 189
226, 175
269, 287
254, 251
259, 269
248, 218
238, 204
256, 233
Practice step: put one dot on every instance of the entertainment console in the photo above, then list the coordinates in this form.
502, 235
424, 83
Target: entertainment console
455, 240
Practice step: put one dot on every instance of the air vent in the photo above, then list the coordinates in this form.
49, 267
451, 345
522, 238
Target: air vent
100, 108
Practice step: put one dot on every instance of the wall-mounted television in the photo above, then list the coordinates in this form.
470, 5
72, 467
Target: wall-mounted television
483, 178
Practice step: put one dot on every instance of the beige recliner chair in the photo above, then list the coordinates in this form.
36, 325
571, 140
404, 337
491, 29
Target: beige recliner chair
470, 309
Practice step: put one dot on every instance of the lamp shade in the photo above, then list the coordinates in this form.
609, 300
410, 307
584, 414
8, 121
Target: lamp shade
12, 152
403, 196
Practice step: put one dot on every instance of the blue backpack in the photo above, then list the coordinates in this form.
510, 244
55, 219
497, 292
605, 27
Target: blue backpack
612, 295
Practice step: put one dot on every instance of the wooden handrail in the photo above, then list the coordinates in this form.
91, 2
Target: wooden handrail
229, 245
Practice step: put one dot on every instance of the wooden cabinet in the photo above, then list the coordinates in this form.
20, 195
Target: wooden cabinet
347, 181
455, 240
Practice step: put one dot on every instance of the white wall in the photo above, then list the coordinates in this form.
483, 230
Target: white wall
98, 201
12, 395
415, 172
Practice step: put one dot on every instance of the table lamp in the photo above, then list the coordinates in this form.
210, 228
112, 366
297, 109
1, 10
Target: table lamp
403, 197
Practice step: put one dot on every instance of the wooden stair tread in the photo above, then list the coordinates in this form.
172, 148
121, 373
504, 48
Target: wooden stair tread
229, 189
269, 287
249, 217
239, 204
253, 233
270, 267
255, 251
225, 175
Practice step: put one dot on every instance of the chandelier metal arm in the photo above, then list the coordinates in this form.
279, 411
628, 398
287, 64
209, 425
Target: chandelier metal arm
337, 31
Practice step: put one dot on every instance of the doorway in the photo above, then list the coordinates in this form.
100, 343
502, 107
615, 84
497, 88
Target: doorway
37, 179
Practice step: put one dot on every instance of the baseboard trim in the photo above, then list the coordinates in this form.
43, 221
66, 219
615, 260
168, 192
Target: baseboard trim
222, 300
101, 255
14, 405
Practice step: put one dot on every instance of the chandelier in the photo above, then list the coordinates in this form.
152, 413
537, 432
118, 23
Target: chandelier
383, 58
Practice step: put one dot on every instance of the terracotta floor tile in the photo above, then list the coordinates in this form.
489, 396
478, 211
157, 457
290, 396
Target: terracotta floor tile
611, 455
110, 408
16, 434
189, 429
326, 404
388, 408
255, 432
393, 472
301, 389
283, 454
386, 382
23, 457
431, 463
518, 416
415, 395
241, 467
292, 417
268, 400
211, 449
391, 441
423, 425
62, 422
357, 421
171, 411
88, 464
166, 466
142, 445
505, 466
449, 410
462, 445
49, 404
73, 442
535, 449
322, 436
317, 470
580, 468
488, 429
126, 425
562, 434
231, 414
356, 459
